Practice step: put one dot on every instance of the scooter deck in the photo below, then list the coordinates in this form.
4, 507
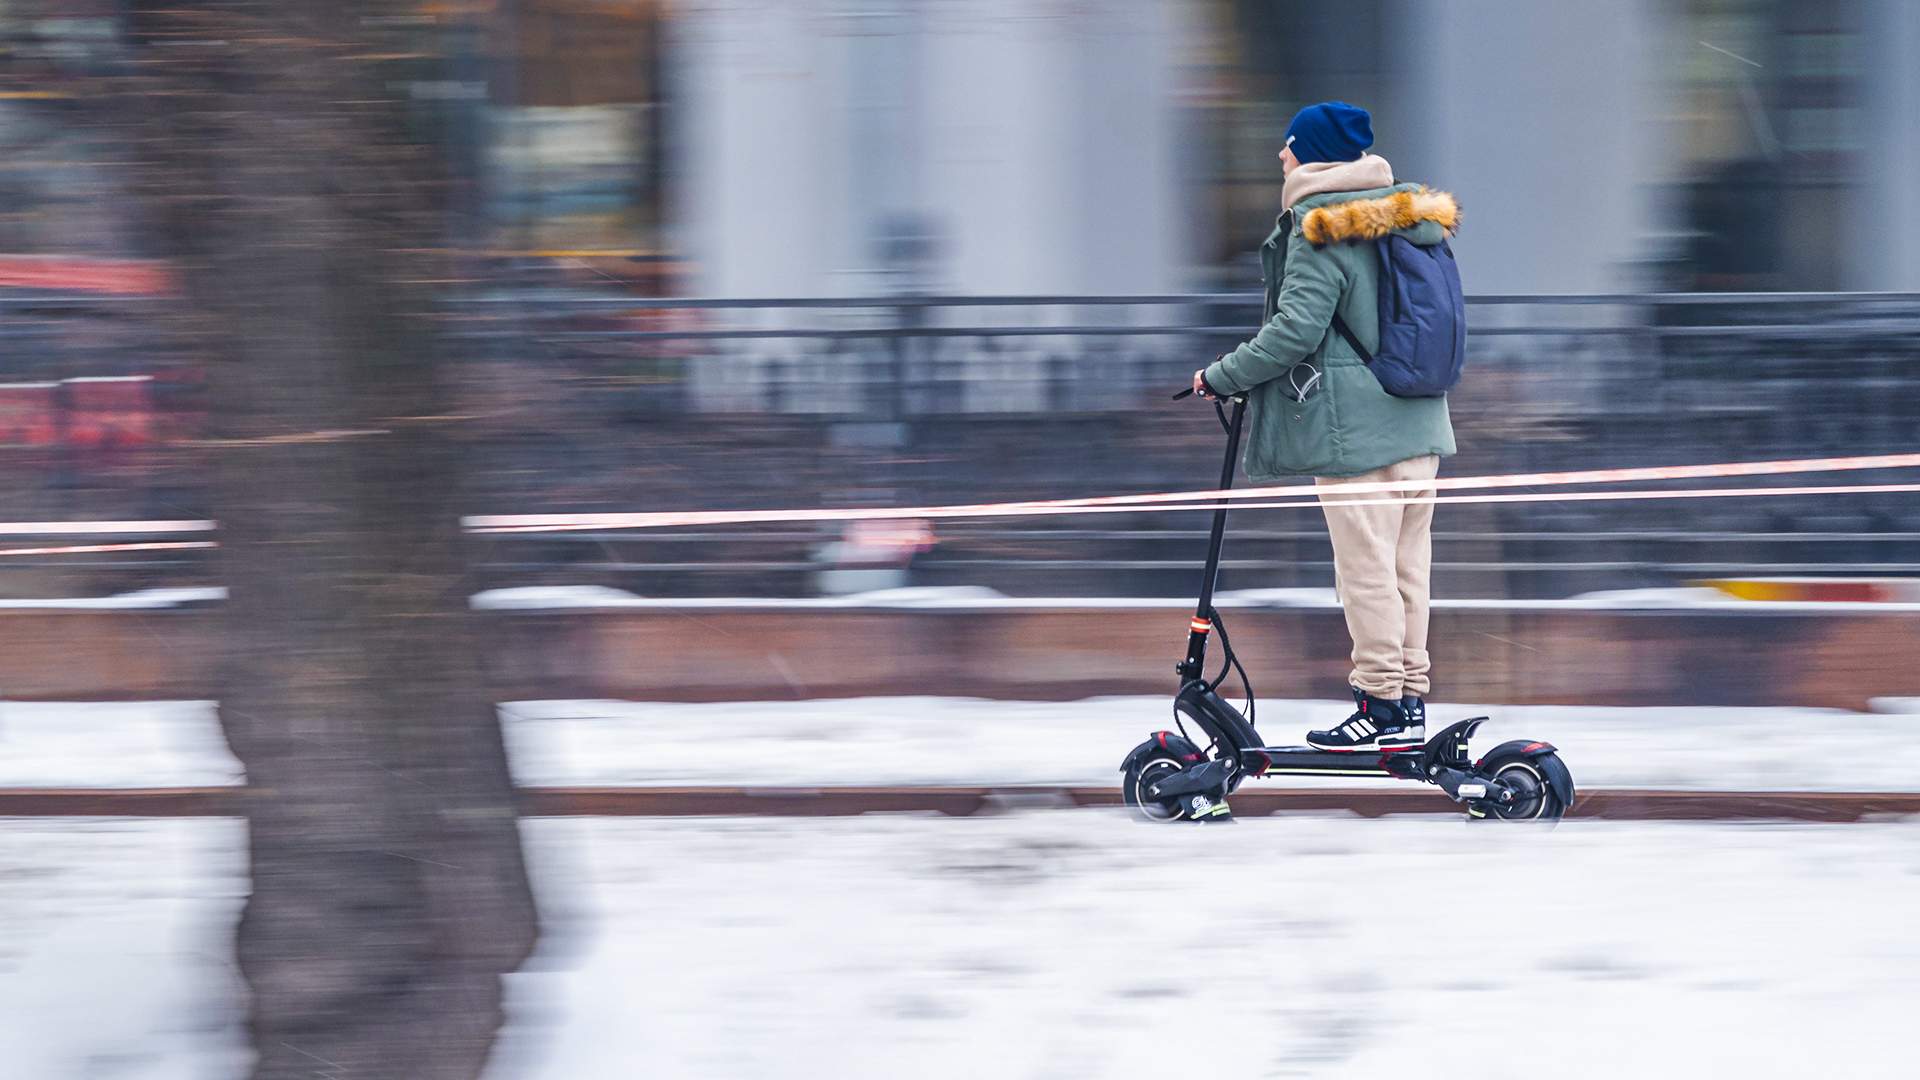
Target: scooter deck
1307, 761
1449, 745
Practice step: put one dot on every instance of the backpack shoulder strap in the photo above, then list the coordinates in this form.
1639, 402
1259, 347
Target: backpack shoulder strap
1345, 331
1340, 324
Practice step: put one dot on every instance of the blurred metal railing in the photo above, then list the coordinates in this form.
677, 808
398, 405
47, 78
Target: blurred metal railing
1555, 382
709, 402
937, 356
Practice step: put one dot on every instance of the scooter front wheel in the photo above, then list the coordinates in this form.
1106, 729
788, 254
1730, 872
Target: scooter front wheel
1133, 789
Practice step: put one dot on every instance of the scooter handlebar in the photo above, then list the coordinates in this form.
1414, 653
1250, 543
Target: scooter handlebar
1188, 392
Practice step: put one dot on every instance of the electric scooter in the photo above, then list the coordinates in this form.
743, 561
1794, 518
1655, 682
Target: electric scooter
1170, 777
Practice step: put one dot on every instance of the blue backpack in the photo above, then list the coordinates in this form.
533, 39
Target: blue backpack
1423, 320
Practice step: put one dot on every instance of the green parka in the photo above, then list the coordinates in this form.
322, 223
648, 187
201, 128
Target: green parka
1320, 257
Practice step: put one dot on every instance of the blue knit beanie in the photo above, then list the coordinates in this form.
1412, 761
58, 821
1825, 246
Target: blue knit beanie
1330, 131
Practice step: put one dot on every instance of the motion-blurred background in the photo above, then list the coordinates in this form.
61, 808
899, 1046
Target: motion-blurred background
736, 255
860, 253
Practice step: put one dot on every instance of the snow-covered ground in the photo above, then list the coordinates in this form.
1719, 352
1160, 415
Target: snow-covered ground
116, 949
122, 744
1079, 945
1062, 944
138, 600
971, 741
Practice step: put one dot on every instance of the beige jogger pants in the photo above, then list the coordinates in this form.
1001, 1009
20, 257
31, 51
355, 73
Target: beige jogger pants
1382, 565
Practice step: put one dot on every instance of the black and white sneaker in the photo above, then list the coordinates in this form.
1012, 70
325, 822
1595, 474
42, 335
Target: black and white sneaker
1415, 711
1379, 724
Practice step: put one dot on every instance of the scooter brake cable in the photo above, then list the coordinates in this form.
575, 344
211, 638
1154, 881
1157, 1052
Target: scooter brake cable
1232, 663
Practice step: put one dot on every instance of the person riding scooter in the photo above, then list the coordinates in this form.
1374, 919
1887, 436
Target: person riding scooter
1317, 410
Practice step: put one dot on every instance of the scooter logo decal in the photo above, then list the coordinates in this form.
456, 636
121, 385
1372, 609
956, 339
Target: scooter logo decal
1201, 804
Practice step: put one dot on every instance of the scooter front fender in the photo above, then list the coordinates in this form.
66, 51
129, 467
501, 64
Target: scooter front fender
1168, 743
1221, 721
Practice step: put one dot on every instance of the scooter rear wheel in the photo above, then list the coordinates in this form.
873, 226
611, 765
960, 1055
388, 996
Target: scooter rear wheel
1534, 797
1133, 790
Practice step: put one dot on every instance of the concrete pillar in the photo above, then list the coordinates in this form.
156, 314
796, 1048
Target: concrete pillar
1053, 157
764, 91
1545, 121
1884, 248
1034, 141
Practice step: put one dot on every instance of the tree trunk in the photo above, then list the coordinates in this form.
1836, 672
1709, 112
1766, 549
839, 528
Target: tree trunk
389, 895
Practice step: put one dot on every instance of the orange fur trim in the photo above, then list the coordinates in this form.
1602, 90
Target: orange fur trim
1371, 219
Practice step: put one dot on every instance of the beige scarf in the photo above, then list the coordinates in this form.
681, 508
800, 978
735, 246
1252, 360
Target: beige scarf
1368, 172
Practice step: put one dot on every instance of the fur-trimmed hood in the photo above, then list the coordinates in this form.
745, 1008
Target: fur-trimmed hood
1354, 221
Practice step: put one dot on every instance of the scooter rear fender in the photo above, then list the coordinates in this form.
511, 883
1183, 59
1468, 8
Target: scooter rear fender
1544, 756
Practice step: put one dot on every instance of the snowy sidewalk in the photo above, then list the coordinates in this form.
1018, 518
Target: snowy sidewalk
908, 741
903, 741
1065, 944
1080, 945
116, 949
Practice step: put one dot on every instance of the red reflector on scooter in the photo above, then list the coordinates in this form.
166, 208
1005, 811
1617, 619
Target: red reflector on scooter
1200, 626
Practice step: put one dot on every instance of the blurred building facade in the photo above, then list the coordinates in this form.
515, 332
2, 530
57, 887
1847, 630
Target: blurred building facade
846, 147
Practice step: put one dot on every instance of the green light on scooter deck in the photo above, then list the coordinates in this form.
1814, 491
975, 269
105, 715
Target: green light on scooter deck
1214, 810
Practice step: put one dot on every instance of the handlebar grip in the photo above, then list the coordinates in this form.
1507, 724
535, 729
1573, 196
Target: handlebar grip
1188, 392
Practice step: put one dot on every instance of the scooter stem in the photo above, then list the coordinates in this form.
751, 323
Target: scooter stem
1194, 666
